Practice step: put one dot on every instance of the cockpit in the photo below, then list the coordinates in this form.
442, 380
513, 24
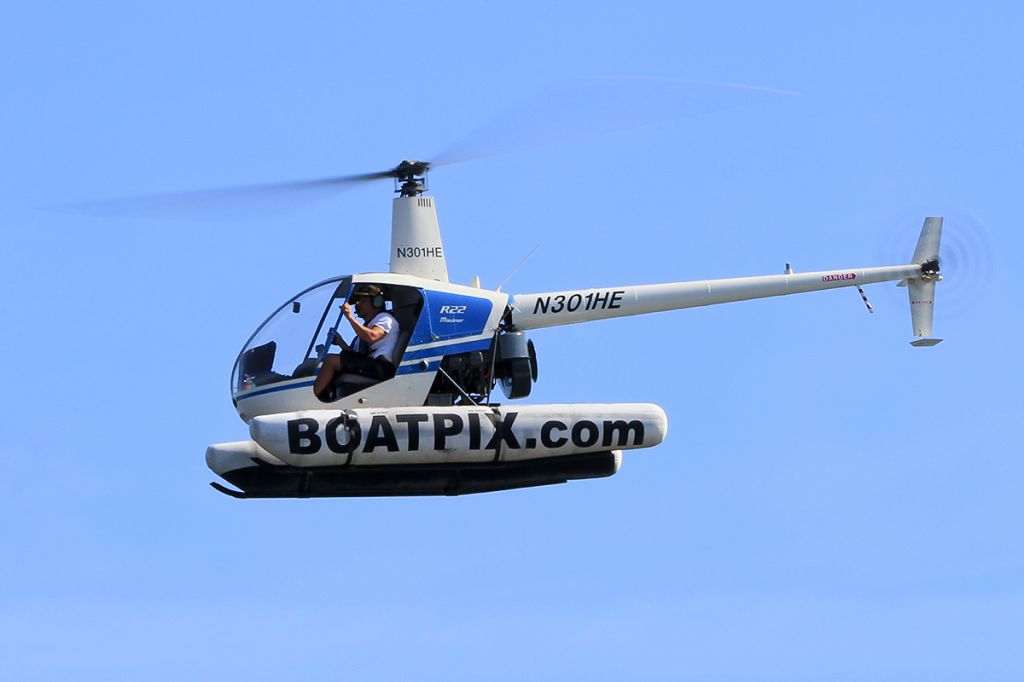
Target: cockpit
443, 354
284, 346
294, 340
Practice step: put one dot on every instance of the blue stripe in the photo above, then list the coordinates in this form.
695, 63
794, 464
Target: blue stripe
466, 346
450, 349
274, 389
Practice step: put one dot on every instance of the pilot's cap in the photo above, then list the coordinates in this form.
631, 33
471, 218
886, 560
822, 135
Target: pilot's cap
371, 290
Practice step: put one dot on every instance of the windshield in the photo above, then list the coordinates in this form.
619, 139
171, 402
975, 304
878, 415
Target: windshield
285, 345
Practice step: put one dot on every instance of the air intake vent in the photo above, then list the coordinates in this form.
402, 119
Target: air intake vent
425, 202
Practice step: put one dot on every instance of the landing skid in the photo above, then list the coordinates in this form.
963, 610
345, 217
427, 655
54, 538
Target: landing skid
237, 494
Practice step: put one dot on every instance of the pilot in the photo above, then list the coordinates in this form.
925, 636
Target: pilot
373, 351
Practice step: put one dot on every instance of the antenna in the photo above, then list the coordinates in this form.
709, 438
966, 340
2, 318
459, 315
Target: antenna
520, 264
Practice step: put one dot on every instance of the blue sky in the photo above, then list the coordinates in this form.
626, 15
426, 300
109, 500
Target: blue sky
829, 503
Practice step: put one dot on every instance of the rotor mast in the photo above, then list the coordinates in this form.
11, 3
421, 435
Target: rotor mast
411, 178
416, 247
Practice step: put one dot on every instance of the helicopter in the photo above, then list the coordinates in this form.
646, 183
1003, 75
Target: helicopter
433, 428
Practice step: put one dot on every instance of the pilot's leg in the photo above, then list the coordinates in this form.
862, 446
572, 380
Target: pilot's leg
330, 369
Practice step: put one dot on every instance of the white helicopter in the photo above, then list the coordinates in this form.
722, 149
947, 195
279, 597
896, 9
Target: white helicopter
432, 429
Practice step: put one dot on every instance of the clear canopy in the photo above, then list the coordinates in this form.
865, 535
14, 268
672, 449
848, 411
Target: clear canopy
287, 345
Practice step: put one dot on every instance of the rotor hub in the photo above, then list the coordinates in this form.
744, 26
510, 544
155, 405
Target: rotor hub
411, 178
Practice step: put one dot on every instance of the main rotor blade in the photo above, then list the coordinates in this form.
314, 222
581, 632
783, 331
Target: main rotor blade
564, 110
584, 107
238, 202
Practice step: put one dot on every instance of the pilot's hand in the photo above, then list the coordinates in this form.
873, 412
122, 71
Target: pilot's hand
337, 340
346, 310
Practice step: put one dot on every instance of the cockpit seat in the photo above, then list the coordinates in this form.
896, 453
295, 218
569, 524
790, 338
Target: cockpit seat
305, 369
355, 380
348, 383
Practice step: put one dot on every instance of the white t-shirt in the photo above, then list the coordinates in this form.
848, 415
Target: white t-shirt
386, 346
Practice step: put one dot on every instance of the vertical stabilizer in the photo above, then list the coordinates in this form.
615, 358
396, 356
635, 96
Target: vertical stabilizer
416, 238
922, 289
922, 305
928, 243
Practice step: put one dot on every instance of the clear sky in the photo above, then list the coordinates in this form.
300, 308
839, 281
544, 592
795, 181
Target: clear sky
830, 503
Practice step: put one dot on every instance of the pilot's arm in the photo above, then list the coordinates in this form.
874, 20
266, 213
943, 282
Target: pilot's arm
368, 335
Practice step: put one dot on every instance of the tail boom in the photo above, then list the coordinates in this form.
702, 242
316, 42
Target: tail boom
534, 311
